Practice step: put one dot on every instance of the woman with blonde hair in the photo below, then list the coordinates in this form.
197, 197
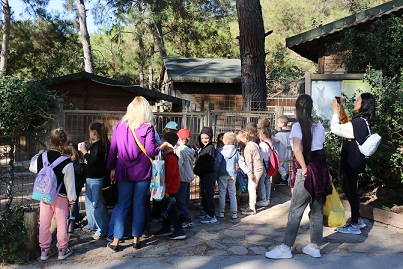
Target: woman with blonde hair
132, 147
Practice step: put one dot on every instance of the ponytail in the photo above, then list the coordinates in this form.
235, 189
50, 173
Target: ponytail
303, 108
102, 129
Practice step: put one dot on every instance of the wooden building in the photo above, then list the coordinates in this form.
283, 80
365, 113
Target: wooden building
315, 44
206, 83
86, 91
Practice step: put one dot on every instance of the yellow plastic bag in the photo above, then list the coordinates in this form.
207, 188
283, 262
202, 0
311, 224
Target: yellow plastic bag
333, 211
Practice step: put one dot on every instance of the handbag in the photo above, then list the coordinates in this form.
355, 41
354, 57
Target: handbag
157, 183
371, 144
333, 210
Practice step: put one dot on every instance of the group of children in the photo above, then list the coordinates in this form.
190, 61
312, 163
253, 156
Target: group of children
222, 163
212, 164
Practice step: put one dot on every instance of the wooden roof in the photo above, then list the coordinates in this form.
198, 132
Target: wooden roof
203, 70
309, 44
148, 94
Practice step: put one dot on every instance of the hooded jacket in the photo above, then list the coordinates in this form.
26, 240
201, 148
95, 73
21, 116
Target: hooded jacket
125, 156
283, 145
205, 161
185, 161
226, 160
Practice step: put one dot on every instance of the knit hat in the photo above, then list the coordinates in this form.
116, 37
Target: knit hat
171, 125
183, 133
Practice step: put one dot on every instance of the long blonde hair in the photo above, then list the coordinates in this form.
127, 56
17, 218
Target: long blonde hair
138, 112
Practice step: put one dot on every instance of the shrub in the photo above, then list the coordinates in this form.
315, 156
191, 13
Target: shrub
13, 235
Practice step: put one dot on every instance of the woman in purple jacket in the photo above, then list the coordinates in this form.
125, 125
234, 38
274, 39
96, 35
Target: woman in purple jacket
131, 167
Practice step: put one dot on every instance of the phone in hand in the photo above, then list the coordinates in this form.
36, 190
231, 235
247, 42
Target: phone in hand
338, 99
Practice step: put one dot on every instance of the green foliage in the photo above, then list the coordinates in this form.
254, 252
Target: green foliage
389, 98
23, 105
43, 49
13, 235
381, 47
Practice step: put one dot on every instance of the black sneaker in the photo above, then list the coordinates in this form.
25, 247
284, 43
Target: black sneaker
162, 232
177, 235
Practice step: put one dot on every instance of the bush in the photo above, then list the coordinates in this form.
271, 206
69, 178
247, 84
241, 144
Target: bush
13, 235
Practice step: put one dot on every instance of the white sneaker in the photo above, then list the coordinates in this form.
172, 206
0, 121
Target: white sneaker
279, 253
234, 215
262, 203
219, 214
312, 251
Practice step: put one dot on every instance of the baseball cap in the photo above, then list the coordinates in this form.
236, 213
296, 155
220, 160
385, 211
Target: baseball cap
171, 125
183, 133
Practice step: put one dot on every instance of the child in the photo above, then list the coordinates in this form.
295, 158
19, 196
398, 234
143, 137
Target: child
79, 174
171, 127
263, 123
282, 144
225, 167
95, 170
220, 142
172, 180
63, 202
251, 128
255, 165
186, 160
265, 151
204, 168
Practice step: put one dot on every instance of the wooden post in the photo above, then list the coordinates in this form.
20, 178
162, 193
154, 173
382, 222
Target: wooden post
31, 224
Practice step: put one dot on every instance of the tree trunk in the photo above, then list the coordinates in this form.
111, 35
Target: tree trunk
85, 37
251, 42
6, 36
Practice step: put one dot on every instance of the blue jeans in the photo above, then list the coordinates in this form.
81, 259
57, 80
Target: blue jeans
131, 193
183, 199
224, 183
76, 210
97, 214
112, 222
299, 201
265, 187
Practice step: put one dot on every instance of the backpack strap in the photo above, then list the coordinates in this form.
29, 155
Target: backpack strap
58, 161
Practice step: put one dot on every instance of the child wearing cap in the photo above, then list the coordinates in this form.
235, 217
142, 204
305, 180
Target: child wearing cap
171, 126
186, 160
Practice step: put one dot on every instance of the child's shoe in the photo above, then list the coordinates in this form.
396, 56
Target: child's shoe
208, 219
187, 223
249, 212
64, 253
201, 215
177, 235
234, 215
45, 254
219, 214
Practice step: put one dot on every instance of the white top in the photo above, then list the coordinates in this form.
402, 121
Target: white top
344, 130
318, 135
265, 151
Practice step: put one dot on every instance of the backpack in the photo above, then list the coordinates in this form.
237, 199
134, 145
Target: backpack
274, 162
45, 185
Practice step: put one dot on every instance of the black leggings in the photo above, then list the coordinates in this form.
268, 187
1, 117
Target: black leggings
350, 187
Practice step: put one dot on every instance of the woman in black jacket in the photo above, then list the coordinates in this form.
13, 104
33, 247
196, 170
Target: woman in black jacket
352, 161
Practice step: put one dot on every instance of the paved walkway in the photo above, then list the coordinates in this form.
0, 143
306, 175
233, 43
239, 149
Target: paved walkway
241, 243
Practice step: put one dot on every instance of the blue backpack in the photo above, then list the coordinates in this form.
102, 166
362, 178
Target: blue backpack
45, 185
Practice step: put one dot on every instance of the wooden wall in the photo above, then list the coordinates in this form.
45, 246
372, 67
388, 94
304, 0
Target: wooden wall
85, 94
